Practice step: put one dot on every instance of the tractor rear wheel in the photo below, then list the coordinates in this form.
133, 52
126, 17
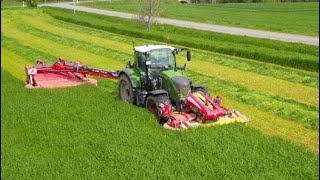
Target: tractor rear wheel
125, 90
153, 103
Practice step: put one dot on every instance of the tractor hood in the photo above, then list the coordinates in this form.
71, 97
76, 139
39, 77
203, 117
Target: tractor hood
182, 84
177, 85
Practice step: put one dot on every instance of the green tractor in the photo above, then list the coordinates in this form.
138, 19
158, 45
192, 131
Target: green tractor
154, 79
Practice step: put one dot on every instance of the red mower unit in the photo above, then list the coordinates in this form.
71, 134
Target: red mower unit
63, 74
153, 81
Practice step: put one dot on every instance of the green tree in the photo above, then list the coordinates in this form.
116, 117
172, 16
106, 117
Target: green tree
148, 11
32, 3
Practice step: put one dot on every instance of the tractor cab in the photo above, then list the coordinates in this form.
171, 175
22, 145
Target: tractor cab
154, 58
158, 70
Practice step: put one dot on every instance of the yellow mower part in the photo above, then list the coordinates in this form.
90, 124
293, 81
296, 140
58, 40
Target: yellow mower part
224, 121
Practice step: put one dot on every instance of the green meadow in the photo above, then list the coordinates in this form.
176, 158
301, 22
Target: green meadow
86, 132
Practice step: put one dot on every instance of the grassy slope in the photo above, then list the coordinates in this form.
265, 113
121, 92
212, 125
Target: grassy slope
297, 18
95, 142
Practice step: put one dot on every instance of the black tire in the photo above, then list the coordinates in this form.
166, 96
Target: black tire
153, 105
125, 90
203, 90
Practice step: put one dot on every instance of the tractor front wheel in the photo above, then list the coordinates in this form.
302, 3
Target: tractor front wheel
125, 90
153, 104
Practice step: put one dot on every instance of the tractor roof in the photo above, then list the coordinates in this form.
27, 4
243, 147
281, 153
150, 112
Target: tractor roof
147, 48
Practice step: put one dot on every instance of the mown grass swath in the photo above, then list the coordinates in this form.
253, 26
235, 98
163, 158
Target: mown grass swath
285, 108
286, 54
123, 44
266, 16
97, 140
288, 109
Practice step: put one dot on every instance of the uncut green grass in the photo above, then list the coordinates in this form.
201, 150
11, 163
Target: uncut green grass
86, 132
10, 4
297, 18
289, 109
293, 55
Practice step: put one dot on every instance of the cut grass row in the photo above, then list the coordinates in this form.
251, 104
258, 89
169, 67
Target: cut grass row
68, 52
250, 79
96, 37
99, 141
279, 106
300, 18
286, 54
288, 109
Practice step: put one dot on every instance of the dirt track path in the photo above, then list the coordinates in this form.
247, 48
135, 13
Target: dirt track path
201, 26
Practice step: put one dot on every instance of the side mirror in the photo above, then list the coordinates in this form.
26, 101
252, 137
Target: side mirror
188, 55
129, 65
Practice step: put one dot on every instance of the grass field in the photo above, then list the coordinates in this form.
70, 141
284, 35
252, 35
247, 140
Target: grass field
297, 18
86, 132
10, 4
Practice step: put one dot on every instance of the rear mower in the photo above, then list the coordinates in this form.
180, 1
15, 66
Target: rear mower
152, 81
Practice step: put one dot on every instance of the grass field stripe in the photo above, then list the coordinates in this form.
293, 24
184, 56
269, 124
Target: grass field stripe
289, 94
27, 52
274, 86
275, 126
280, 72
44, 25
279, 106
14, 64
40, 23
77, 44
290, 74
60, 50
266, 69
